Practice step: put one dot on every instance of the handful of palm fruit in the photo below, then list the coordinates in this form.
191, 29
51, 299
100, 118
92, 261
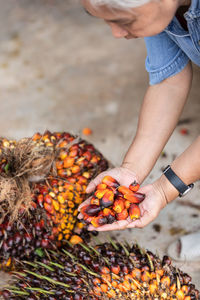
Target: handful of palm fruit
106, 271
42, 182
111, 202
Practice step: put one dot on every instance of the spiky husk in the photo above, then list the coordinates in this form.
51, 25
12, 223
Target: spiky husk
107, 271
56, 191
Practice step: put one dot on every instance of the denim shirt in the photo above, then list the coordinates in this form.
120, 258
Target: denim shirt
170, 51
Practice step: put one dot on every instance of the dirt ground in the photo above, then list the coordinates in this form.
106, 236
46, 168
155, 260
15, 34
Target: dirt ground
61, 70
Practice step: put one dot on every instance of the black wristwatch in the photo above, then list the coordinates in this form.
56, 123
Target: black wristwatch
177, 182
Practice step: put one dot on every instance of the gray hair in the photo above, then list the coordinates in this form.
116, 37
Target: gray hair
120, 4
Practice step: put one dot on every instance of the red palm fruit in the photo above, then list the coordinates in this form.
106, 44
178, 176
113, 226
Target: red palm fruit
139, 196
110, 181
100, 193
99, 221
118, 206
134, 186
127, 204
83, 210
115, 269
132, 198
101, 186
136, 273
107, 199
123, 215
88, 219
145, 276
105, 270
185, 289
180, 295
95, 201
165, 281
153, 287
107, 212
134, 212
96, 281
104, 287
124, 190
92, 210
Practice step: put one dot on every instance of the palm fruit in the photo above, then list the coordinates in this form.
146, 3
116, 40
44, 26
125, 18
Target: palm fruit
52, 217
111, 202
106, 271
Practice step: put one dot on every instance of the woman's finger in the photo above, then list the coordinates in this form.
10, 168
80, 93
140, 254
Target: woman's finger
86, 202
142, 222
92, 185
120, 225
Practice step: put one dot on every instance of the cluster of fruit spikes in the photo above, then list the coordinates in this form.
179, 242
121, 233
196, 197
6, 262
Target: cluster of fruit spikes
111, 202
107, 271
52, 219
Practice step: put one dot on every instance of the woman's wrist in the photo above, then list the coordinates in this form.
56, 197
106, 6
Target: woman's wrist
165, 187
134, 170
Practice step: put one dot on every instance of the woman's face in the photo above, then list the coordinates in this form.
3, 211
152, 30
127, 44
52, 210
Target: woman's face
146, 20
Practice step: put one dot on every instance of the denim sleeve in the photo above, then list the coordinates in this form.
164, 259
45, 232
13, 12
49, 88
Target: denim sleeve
164, 58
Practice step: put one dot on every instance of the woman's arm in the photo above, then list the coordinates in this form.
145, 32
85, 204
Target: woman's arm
162, 106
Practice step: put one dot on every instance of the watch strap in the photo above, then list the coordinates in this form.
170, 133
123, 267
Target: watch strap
177, 182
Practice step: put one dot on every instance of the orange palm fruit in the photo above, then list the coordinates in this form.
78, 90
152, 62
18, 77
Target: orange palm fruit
107, 199
92, 210
180, 295
123, 215
165, 280
139, 196
95, 201
101, 186
134, 186
127, 204
124, 190
110, 181
115, 269
99, 221
134, 212
118, 206
132, 198
100, 193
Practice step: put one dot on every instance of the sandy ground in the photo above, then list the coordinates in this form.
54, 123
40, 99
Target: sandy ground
61, 70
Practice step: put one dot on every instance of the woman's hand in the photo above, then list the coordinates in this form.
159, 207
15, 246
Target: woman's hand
150, 208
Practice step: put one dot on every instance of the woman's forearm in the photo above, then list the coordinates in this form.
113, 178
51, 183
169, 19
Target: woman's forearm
161, 109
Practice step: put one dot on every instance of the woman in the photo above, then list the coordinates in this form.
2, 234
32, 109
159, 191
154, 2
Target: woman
171, 29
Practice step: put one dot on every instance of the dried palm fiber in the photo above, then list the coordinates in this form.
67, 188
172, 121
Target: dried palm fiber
106, 271
42, 182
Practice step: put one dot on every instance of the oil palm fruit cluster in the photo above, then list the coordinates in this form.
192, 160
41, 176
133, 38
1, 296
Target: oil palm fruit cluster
55, 197
107, 271
112, 202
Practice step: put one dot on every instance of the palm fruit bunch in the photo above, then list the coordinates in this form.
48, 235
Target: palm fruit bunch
112, 202
53, 171
107, 271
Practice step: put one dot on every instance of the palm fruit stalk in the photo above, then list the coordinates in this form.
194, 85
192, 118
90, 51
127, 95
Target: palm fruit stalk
107, 271
111, 202
42, 182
